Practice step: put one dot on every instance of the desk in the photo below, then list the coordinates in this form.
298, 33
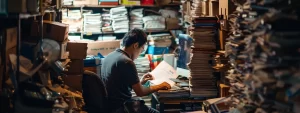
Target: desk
156, 99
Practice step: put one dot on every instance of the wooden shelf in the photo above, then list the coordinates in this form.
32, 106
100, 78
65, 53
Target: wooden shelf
111, 6
19, 15
103, 33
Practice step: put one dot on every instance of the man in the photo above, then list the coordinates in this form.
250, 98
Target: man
120, 75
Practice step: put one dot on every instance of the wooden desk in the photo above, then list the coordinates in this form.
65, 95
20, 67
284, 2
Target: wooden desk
162, 101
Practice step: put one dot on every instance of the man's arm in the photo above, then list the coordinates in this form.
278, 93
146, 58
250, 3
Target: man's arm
141, 90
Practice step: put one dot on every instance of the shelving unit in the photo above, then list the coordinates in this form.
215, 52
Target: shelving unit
19, 17
96, 7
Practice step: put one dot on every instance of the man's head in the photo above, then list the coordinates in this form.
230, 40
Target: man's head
134, 42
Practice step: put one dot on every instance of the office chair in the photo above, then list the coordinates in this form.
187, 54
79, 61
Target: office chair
94, 93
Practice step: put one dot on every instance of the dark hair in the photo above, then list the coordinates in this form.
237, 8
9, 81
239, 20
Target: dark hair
133, 36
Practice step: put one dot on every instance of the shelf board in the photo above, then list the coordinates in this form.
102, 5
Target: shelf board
103, 33
111, 6
19, 15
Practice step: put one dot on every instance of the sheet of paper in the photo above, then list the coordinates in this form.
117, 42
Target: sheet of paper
183, 72
162, 73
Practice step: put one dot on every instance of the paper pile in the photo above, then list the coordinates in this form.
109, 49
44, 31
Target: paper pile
198, 8
154, 23
120, 22
142, 65
106, 21
136, 18
92, 23
74, 19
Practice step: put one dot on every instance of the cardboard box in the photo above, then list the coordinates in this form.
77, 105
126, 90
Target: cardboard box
64, 54
77, 50
52, 30
11, 38
103, 47
73, 81
76, 67
16, 6
172, 23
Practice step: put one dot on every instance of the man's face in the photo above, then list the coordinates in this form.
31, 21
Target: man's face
138, 50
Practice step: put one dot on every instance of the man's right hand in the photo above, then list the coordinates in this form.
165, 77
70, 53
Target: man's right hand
164, 86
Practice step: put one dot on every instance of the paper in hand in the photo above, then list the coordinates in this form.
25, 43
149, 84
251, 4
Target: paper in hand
162, 73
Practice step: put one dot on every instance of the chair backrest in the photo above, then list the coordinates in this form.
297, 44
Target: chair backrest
94, 92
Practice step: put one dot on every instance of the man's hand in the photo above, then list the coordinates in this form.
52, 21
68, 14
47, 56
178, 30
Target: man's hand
164, 86
146, 77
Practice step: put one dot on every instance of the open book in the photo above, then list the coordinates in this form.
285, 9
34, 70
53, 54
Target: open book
162, 73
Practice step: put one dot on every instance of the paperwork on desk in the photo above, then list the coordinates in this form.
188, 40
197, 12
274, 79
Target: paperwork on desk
162, 73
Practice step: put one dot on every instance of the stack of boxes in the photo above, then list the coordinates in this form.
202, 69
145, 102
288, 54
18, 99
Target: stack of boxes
76, 51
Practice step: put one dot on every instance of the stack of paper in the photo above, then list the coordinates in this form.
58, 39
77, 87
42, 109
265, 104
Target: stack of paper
136, 18
198, 8
154, 23
92, 23
120, 22
106, 38
142, 65
202, 81
106, 21
73, 18
67, 2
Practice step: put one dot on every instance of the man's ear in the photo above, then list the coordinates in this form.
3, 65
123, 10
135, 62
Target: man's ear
136, 45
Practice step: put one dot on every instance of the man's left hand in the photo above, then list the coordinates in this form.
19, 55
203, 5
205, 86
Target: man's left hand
146, 77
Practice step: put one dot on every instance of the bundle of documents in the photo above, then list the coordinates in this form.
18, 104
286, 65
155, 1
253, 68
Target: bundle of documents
142, 65
160, 40
67, 2
154, 23
92, 23
264, 53
107, 38
203, 31
73, 18
198, 8
136, 18
120, 22
202, 79
106, 21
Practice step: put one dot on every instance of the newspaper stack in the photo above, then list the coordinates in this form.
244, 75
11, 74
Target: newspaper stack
136, 18
106, 21
120, 22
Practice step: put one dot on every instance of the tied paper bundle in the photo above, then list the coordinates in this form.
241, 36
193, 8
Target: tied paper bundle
263, 48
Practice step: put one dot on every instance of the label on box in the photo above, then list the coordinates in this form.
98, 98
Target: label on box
102, 47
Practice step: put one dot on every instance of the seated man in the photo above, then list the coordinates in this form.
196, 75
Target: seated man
120, 75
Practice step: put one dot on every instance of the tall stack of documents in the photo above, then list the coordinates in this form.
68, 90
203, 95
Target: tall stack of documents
106, 21
92, 23
120, 22
136, 18
203, 49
